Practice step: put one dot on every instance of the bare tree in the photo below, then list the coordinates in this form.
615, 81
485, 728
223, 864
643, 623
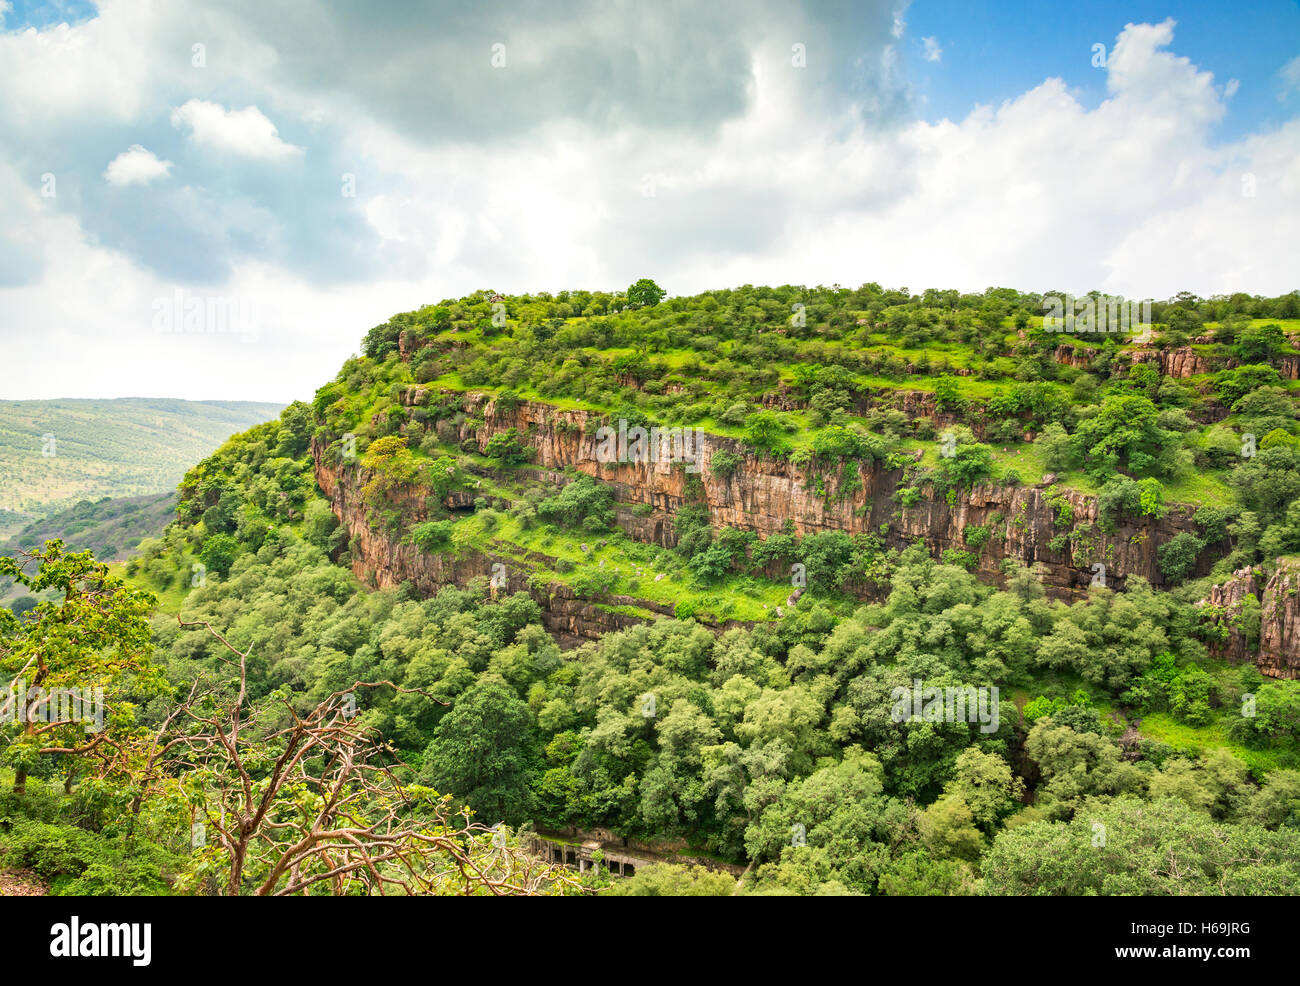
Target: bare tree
308, 803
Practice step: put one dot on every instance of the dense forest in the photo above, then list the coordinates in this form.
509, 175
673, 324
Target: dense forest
429, 608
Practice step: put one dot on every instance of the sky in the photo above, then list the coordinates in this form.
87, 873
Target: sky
216, 199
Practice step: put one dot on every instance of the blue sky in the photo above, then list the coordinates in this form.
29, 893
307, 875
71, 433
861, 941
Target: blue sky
993, 50
319, 165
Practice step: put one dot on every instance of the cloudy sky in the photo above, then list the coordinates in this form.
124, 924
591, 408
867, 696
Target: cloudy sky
215, 200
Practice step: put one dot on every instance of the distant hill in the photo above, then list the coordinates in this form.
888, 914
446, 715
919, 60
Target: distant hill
56, 453
110, 528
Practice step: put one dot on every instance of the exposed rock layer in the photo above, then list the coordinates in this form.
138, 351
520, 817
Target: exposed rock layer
1277, 652
763, 494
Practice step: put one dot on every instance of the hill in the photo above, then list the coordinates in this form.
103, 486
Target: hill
111, 528
914, 589
55, 453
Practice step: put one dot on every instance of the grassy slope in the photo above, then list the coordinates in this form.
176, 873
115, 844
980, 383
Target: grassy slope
1199, 487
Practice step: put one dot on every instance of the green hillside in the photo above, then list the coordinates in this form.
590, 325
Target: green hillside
912, 722
55, 453
109, 527
717, 743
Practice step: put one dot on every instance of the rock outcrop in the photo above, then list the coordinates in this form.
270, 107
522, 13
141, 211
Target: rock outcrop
1274, 644
1182, 362
764, 493
1056, 532
384, 560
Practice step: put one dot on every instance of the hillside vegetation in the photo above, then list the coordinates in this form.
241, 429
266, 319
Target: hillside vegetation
108, 528
790, 743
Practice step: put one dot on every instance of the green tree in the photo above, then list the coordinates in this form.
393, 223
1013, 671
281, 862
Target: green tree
96, 636
645, 293
480, 752
1177, 558
1259, 344
668, 880
1123, 429
1138, 848
218, 553
987, 786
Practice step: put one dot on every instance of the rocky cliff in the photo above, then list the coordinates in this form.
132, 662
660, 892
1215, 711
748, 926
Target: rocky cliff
1055, 531
383, 559
1268, 635
1181, 362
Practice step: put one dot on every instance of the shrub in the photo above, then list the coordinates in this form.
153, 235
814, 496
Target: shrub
1177, 559
432, 535
580, 501
1152, 497
968, 463
846, 443
1059, 449
1119, 498
593, 582
80, 863
735, 414
766, 432
976, 537
725, 462
959, 558
219, 553
508, 448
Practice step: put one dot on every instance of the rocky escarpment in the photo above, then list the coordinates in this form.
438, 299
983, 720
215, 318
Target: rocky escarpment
1268, 634
1055, 531
383, 559
1180, 362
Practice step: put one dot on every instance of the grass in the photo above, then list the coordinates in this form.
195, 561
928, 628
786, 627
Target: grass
171, 599
736, 598
1192, 739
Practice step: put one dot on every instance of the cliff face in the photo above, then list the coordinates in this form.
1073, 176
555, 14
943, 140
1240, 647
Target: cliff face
384, 560
764, 493
1278, 650
1223, 609
1182, 362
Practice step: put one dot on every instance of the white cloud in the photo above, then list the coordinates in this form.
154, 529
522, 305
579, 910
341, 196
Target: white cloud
246, 132
932, 50
136, 166
1037, 193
